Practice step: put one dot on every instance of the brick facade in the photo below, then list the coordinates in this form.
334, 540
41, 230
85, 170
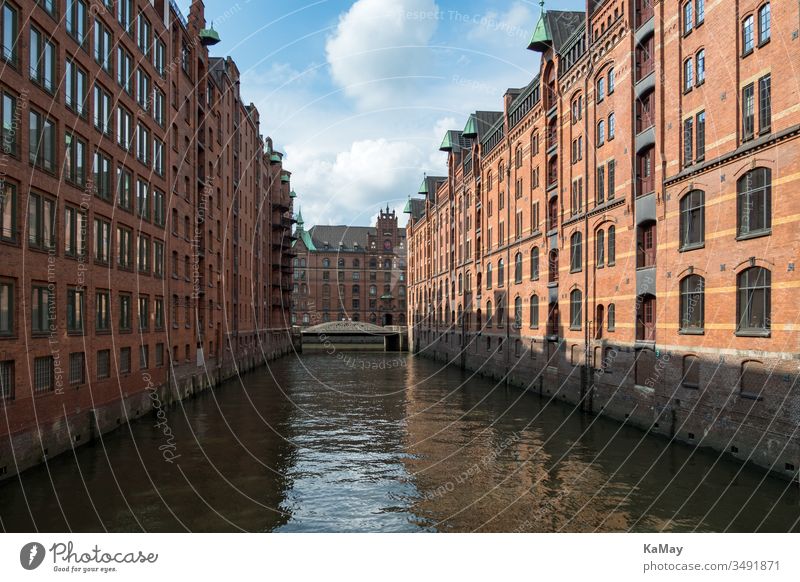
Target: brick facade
623, 234
183, 260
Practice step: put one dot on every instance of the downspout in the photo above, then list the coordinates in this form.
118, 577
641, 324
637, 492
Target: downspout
586, 383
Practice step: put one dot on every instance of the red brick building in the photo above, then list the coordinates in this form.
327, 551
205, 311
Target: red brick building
355, 273
145, 244
623, 234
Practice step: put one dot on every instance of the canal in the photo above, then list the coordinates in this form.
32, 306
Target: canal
373, 442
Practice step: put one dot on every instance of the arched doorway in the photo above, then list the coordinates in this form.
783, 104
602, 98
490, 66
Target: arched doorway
387, 319
598, 322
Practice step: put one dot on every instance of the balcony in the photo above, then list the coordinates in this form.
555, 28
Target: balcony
645, 68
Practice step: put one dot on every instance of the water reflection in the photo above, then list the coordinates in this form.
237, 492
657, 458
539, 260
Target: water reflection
390, 443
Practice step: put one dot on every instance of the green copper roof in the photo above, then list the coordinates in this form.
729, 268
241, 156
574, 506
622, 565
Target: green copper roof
292, 194
285, 178
209, 36
407, 207
541, 39
423, 188
449, 142
386, 296
300, 222
471, 129
276, 158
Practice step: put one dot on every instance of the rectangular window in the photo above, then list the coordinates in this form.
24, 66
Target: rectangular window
103, 111
103, 364
144, 313
125, 14
9, 29
75, 310
6, 308
124, 128
158, 157
158, 259
143, 254
77, 368
612, 126
102, 240
124, 248
144, 357
765, 104
612, 179
688, 141
748, 112
103, 43
124, 188
125, 306
42, 146
143, 89
601, 180
75, 232
158, 106
158, 315
77, 22
159, 355
159, 57
125, 70
701, 67
41, 222
75, 88
143, 144
747, 36
700, 131
159, 208
101, 168
7, 380
74, 160
42, 61
102, 311
43, 375
42, 301
143, 38
8, 213
688, 75
10, 131
124, 360
143, 199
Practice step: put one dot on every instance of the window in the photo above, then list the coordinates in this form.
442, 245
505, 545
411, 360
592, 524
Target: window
75, 227
158, 315
692, 304
41, 222
601, 133
534, 312
518, 312
601, 185
143, 199
764, 24
159, 208
688, 141
42, 61
688, 18
75, 310
753, 298
75, 88
41, 300
601, 89
748, 112
600, 248
747, 35
103, 364
646, 245
77, 368
501, 275
144, 357
43, 375
143, 254
575, 309
611, 317
576, 259
102, 110
688, 75
612, 245
124, 188
646, 318
535, 263
124, 14
102, 240
611, 81
158, 157
159, 59
124, 128
6, 308
74, 160
124, 360
143, 39
489, 276
754, 202
143, 144
42, 146
125, 70
125, 307
9, 136
101, 169
700, 135
144, 313
612, 126
9, 29
158, 106
692, 220
700, 61
611, 173
765, 104
103, 46
124, 248
700, 12
143, 89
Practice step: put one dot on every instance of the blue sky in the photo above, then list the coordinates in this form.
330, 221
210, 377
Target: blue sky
359, 93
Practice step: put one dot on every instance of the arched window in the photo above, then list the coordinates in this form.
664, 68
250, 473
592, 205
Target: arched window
460, 283
612, 317
518, 157
754, 202
373, 290
356, 289
302, 262
340, 263
692, 219
535, 263
518, 268
612, 245
401, 291
387, 264
534, 315
326, 263
489, 180
575, 254
692, 304
501, 269
488, 313
575, 309
764, 24
753, 300
518, 312
356, 263
600, 248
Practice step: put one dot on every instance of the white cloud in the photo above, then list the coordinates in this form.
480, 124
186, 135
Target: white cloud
371, 54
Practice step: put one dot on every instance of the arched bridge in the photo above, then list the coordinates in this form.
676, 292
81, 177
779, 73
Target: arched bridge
356, 333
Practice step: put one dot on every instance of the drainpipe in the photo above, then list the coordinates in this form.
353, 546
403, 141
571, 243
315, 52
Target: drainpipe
586, 377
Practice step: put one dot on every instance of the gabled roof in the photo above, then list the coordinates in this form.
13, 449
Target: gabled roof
451, 141
429, 186
554, 28
415, 207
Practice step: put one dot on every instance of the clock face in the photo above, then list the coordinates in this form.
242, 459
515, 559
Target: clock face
387, 245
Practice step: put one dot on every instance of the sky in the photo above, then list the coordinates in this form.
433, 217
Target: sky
358, 94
